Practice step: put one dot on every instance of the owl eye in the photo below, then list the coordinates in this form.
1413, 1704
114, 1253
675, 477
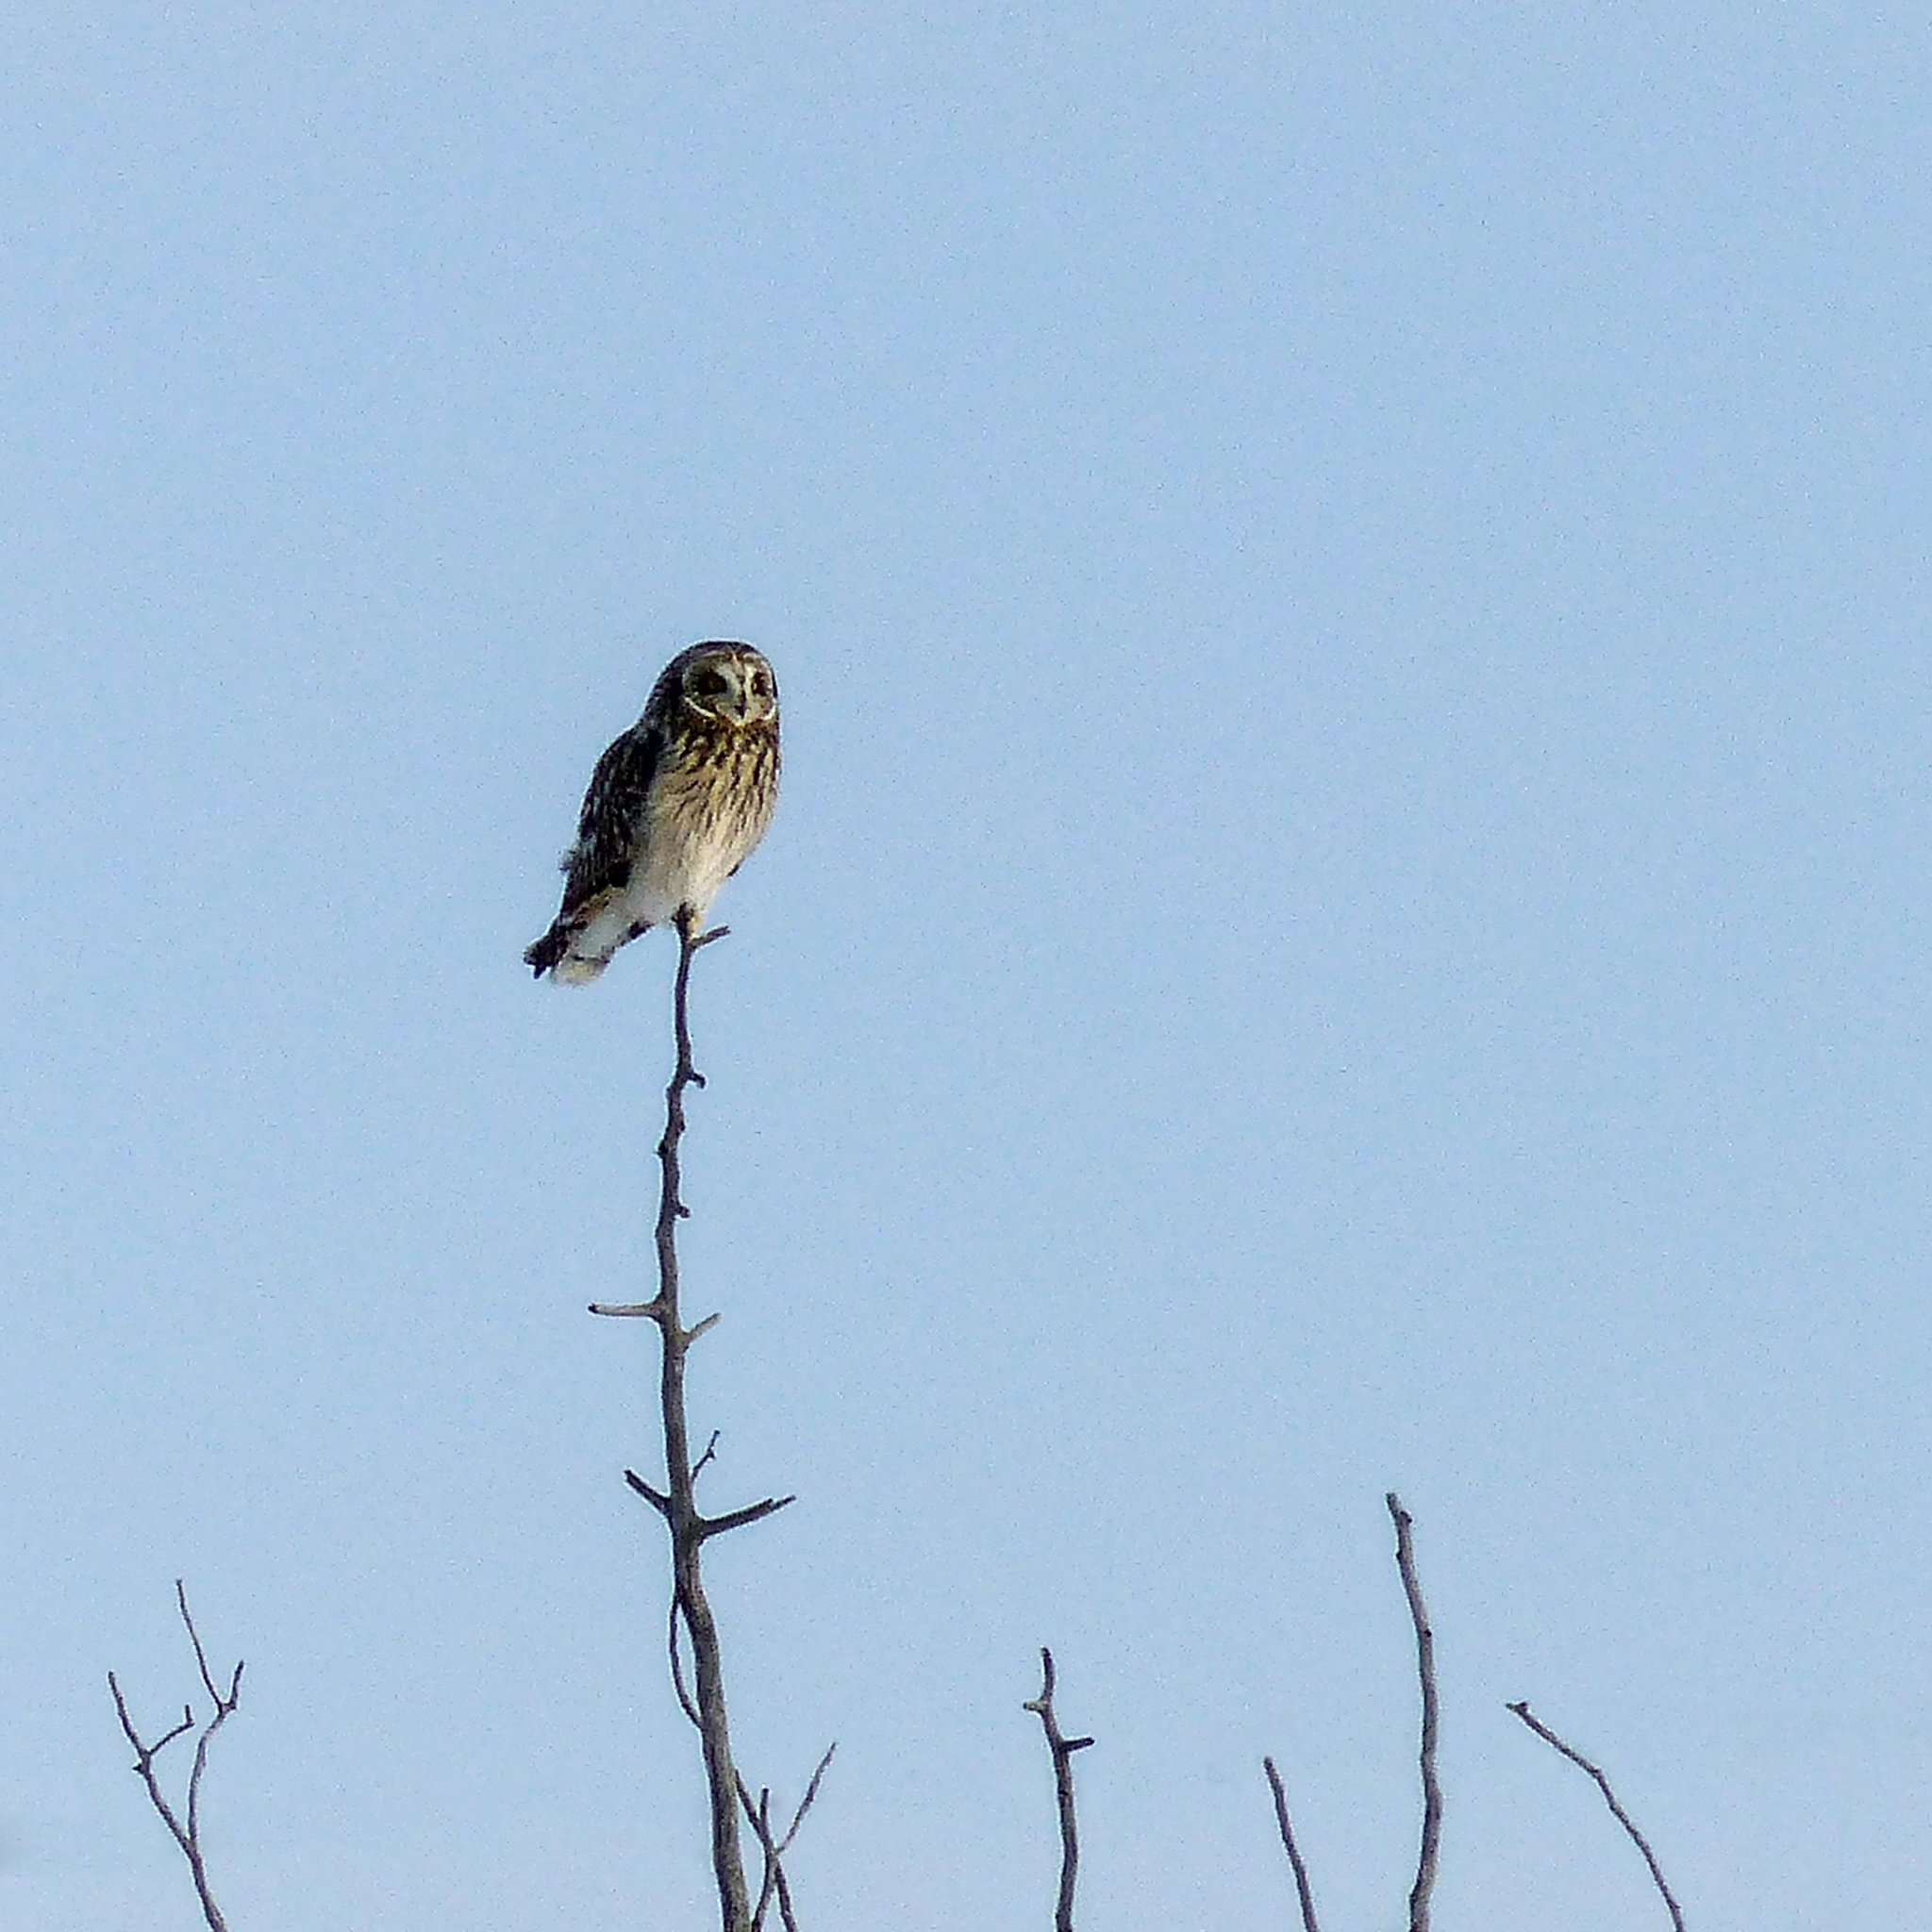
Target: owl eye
708, 684
762, 683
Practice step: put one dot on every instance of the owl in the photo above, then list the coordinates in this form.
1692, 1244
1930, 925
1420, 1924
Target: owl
675, 806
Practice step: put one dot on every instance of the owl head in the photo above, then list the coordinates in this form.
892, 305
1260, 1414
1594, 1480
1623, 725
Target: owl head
723, 682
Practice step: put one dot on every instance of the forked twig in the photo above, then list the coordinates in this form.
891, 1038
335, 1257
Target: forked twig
1062, 1749
1304, 1891
774, 1883
1425, 1668
1617, 1811
188, 1834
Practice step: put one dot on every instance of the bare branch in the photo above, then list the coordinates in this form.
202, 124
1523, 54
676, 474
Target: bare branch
702, 1696
761, 1817
658, 1501
187, 1836
153, 1750
736, 1519
1302, 1887
1425, 1668
1617, 1811
1062, 1750
710, 1454
804, 1803
785, 1912
678, 1683
774, 1848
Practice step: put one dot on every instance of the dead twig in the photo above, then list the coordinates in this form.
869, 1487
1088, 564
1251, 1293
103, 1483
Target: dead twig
1617, 1811
1304, 1891
1425, 1667
187, 1835
1062, 1749
774, 1848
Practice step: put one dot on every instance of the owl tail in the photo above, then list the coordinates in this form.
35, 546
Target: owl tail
552, 954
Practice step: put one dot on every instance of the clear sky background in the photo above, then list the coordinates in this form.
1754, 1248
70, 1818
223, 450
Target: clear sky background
1349, 912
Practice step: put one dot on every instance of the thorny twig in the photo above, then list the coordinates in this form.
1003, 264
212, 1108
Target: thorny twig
188, 1834
1617, 1811
1304, 1891
1425, 1667
1062, 1749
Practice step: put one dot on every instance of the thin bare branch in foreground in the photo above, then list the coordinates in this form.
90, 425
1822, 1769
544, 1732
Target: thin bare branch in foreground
1303, 1889
703, 1699
1062, 1749
1425, 1668
774, 1848
1617, 1811
188, 1834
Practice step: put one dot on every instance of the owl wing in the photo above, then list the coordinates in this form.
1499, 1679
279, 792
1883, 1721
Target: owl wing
607, 827
599, 863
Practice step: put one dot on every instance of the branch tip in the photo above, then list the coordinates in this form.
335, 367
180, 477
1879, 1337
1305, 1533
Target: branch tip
1425, 1670
1304, 1891
1549, 1737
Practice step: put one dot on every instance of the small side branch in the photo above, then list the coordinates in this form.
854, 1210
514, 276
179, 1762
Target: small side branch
1617, 1811
1302, 1887
1062, 1749
655, 1498
710, 1527
187, 1835
1425, 1668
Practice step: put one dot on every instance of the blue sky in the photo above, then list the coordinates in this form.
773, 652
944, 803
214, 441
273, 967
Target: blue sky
1348, 913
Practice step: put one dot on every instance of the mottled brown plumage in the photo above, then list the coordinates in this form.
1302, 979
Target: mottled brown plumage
675, 805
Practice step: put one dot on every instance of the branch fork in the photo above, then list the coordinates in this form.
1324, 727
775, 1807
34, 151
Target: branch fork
186, 1833
1062, 1749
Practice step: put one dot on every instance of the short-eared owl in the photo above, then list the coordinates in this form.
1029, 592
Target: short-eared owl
675, 808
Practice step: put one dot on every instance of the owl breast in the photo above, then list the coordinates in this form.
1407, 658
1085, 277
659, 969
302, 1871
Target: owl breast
704, 813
